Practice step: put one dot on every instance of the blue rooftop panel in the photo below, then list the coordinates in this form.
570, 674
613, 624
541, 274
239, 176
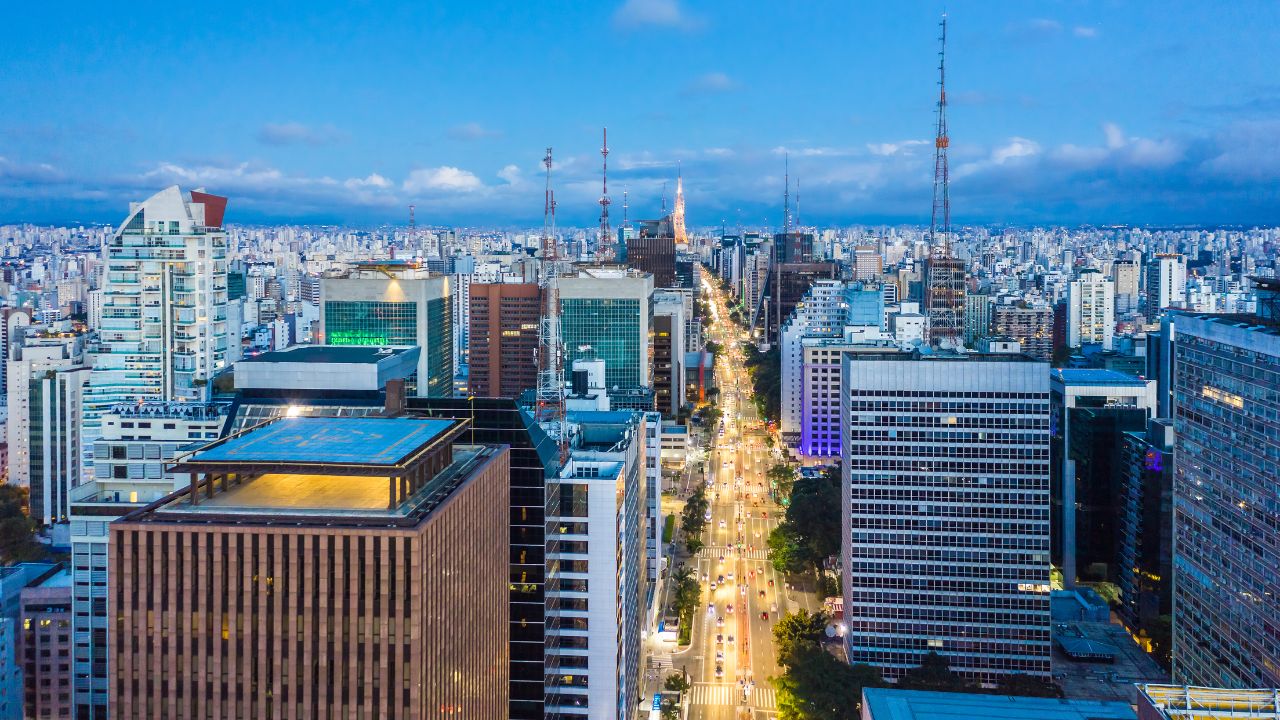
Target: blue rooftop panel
1096, 376
887, 704
351, 440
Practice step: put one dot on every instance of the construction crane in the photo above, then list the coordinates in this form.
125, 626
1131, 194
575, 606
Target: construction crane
944, 285
604, 241
549, 410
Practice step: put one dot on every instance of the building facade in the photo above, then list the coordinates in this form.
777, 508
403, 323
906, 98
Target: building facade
504, 319
1032, 327
946, 512
391, 304
44, 647
605, 314
1091, 313
1166, 287
1226, 500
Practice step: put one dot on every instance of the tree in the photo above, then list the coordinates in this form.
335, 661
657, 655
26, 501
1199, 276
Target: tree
796, 630
786, 550
817, 686
934, 673
782, 477
1027, 685
677, 682
810, 532
670, 711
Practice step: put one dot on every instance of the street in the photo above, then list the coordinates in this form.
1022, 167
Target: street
732, 659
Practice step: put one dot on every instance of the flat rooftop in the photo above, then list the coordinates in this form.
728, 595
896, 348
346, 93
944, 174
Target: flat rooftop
888, 704
1104, 681
327, 441
1096, 376
350, 354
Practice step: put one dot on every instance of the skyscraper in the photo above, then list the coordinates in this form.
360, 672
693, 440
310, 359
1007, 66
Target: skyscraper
653, 250
1091, 314
504, 338
335, 565
1226, 498
1125, 275
1166, 283
1032, 327
164, 304
393, 303
605, 314
946, 538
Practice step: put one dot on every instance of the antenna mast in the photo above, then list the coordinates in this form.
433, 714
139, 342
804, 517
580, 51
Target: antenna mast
604, 242
549, 411
413, 230
945, 283
786, 194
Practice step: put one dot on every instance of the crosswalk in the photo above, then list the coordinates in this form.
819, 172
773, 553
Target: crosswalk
717, 551
761, 698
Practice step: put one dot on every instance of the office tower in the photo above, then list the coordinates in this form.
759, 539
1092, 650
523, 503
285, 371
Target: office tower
1166, 284
868, 264
1032, 327
1091, 315
338, 565
793, 247
504, 338
605, 314
131, 469
1226, 499
1160, 363
977, 318
834, 316
653, 250
392, 303
653, 545
11, 699
47, 378
164, 304
12, 320
1125, 275
669, 321
1091, 409
790, 282
44, 646
598, 542
946, 545
1146, 534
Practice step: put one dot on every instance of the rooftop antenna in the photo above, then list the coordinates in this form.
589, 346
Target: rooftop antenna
625, 222
786, 193
664, 197
945, 283
549, 408
604, 244
413, 229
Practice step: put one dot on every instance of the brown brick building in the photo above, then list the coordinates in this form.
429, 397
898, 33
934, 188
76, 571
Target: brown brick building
504, 338
318, 567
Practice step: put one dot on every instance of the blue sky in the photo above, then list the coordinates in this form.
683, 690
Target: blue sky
1072, 112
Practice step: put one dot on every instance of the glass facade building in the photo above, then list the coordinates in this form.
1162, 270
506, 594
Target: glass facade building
1226, 501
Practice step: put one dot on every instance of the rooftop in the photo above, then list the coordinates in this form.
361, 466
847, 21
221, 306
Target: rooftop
371, 354
1095, 376
887, 704
365, 441
1100, 679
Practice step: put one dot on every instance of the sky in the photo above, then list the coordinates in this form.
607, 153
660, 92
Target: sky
1081, 112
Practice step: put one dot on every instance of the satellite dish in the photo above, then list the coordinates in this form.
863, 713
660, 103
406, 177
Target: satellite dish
831, 631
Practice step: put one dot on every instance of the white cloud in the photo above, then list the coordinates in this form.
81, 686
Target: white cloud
295, 133
24, 172
444, 178
373, 181
894, 148
710, 83
1017, 147
1114, 135
1085, 31
636, 14
511, 174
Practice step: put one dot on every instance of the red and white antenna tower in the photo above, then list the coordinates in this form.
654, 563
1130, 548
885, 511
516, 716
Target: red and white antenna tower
604, 241
944, 285
549, 410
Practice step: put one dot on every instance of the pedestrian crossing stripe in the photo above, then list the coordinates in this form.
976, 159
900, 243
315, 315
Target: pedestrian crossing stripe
761, 698
717, 551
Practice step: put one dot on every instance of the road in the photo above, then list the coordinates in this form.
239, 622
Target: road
732, 658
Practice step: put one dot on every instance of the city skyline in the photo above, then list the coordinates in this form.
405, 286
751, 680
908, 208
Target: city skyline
1072, 115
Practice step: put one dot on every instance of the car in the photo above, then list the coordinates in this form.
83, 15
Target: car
719, 639
720, 621
770, 583
729, 608
773, 608
721, 524
764, 516
764, 616
743, 588
719, 656
713, 586
707, 516
720, 578
711, 608
730, 577
730, 639
761, 593
719, 671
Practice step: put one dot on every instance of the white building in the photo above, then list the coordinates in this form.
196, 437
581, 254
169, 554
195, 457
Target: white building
46, 380
946, 545
1091, 312
595, 612
1166, 283
164, 304
137, 444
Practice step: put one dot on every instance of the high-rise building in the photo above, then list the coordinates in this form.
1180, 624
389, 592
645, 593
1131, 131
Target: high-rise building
946, 539
11, 700
605, 313
1125, 274
653, 250
343, 565
392, 303
131, 459
977, 318
1091, 314
1166, 284
47, 378
1090, 410
669, 322
868, 263
789, 284
505, 318
793, 247
1146, 534
1226, 498
44, 646
1032, 327
164, 304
